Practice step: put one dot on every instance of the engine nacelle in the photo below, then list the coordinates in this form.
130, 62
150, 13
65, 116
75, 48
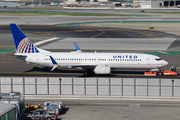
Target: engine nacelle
102, 69
154, 70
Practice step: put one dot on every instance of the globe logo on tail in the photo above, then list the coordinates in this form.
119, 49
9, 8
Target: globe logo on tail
26, 46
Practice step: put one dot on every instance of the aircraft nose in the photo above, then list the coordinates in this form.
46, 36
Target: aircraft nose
164, 63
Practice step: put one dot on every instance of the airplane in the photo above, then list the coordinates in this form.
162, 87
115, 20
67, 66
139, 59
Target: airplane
100, 63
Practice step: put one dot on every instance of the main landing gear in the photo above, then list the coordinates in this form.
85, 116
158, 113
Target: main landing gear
88, 72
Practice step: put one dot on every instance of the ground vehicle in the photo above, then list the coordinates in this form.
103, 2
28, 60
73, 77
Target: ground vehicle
171, 72
41, 114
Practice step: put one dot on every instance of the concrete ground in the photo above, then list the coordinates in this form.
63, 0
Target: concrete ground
117, 110
93, 109
172, 28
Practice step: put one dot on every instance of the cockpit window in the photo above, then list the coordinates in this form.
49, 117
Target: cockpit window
158, 59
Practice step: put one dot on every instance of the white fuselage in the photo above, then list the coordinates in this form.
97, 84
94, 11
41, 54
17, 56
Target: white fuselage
91, 60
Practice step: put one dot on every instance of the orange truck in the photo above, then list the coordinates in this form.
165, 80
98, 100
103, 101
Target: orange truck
171, 72
161, 73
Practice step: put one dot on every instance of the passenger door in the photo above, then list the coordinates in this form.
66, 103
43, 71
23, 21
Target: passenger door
148, 61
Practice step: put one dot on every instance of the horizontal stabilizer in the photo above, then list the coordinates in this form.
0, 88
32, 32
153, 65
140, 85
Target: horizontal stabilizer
45, 41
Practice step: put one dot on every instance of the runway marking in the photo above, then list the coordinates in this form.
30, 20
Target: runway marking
98, 34
163, 52
177, 67
147, 35
27, 22
35, 39
7, 46
83, 30
88, 30
150, 34
10, 60
50, 34
86, 27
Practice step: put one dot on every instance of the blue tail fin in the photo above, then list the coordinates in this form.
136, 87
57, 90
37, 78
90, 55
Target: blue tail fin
23, 44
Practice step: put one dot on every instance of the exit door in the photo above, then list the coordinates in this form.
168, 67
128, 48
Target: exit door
148, 61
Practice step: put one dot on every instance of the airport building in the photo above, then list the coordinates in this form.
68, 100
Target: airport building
136, 3
115, 3
11, 106
7, 111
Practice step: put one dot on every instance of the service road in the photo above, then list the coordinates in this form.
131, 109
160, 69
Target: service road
117, 110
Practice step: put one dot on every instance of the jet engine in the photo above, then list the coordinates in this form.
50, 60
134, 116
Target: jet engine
102, 69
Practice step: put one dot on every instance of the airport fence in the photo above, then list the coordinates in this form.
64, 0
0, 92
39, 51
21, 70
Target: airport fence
91, 86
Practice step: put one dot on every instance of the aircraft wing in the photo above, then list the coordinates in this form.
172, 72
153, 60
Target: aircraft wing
54, 63
83, 66
70, 66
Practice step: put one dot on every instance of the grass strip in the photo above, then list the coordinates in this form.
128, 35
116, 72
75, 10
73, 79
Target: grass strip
77, 23
66, 13
164, 52
2, 50
165, 12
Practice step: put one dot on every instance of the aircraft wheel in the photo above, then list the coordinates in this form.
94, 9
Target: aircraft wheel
160, 73
85, 73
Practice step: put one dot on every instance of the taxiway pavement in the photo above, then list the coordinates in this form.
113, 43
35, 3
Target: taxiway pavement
10, 66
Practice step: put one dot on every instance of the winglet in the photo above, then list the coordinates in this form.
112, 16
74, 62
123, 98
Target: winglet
77, 48
54, 63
